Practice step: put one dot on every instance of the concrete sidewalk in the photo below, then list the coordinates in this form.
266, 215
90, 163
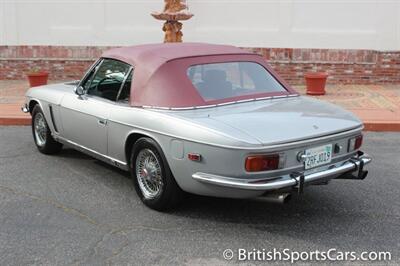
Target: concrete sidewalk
11, 99
377, 105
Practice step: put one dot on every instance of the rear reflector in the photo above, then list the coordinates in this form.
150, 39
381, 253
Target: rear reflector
194, 157
355, 143
258, 163
358, 143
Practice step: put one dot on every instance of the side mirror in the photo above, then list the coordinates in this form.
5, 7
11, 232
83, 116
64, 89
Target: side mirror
79, 90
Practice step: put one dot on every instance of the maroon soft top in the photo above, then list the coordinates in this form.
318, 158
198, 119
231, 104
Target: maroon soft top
160, 78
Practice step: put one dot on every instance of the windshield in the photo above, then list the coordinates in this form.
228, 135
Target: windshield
232, 79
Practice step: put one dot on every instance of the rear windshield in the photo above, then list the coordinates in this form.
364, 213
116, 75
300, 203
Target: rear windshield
232, 79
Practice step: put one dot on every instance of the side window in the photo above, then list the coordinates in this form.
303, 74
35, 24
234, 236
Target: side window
125, 92
107, 80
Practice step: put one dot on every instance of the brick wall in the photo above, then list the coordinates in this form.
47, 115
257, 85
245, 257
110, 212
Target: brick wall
343, 66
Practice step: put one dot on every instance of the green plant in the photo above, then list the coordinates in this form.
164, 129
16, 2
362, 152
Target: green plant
35, 69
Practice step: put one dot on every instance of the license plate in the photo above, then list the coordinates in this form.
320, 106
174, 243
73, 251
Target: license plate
318, 156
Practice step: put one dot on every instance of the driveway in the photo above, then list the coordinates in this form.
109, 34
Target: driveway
72, 209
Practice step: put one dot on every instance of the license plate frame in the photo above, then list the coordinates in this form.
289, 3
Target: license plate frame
318, 156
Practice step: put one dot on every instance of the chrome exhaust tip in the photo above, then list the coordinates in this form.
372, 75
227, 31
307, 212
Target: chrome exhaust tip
281, 198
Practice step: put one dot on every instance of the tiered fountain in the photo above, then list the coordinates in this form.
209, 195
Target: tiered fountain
174, 11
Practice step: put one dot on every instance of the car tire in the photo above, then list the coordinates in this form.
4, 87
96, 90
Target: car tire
41, 133
152, 177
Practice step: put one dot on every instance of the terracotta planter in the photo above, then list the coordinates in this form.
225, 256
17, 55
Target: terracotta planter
38, 79
315, 82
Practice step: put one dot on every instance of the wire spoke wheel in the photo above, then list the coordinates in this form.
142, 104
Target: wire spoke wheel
40, 129
149, 174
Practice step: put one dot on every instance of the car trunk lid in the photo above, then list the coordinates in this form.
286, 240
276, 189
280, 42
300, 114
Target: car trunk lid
290, 120
280, 120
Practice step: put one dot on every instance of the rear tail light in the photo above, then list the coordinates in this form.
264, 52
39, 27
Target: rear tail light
355, 143
258, 163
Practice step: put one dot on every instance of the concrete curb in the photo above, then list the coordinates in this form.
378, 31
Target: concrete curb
15, 121
382, 126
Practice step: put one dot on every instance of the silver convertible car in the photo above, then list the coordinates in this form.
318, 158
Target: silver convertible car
206, 119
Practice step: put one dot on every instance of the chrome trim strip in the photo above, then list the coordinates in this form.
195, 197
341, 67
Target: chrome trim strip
245, 100
94, 153
96, 69
278, 183
123, 83
73, 82
219, 104
87, 73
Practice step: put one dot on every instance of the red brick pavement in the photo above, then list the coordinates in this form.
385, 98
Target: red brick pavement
378, 106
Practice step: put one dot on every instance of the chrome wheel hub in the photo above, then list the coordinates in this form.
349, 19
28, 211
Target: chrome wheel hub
40, 129
149, 174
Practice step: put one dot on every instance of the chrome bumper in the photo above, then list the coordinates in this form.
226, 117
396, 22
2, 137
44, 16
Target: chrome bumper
336, 171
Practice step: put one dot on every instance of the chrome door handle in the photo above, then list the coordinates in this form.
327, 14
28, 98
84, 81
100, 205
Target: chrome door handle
102, 122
